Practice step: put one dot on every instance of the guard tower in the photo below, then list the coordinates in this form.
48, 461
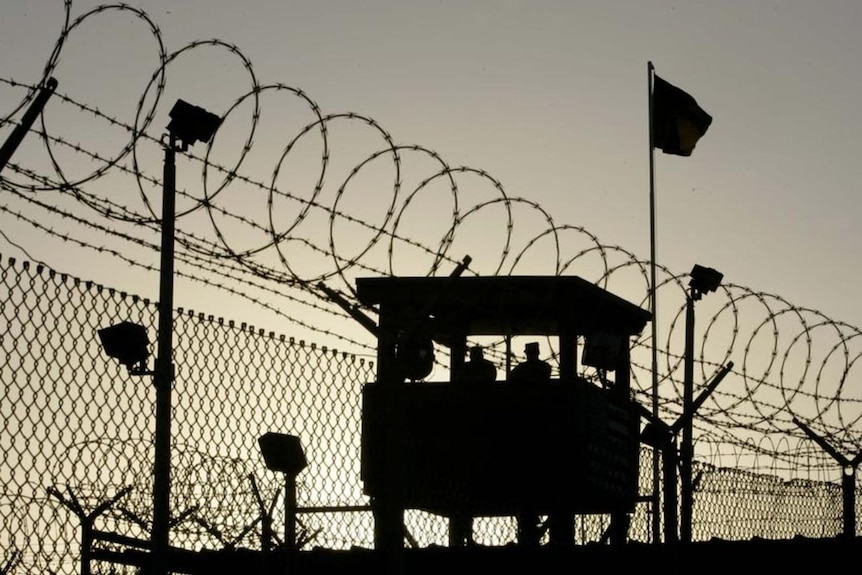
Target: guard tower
565, 447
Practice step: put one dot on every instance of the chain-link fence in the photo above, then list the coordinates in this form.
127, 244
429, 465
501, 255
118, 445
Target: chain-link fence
78, 428
77, 441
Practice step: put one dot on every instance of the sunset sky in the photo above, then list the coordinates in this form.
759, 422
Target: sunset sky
549, 98
397, 137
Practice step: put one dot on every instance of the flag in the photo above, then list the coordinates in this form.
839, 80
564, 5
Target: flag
677, 121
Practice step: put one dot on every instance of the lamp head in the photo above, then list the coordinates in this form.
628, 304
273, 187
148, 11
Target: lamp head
191, 124
126, 342
704, 279
658, 436
602, 350
282, 453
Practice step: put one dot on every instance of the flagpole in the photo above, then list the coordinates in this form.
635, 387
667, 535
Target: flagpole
656, 522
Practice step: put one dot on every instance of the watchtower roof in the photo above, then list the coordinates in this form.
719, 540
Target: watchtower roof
494, 305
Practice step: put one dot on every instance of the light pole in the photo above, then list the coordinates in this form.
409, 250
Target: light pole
703, 280
189, 124
283, 453
127, 342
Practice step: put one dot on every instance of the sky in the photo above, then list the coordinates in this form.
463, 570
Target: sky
544, 100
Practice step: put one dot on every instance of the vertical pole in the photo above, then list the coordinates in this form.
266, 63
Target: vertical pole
656, 524
687, 406
387, 505
621, 392
17, 135
164, 372
848, 484
508, 356
670, 458
289, 521
568, 343
460, 523
290, 512
86, 544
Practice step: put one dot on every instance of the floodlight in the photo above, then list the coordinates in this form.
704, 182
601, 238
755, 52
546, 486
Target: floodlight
126, 342
602, 350
282, 453
705, 279
190, 123
657, 435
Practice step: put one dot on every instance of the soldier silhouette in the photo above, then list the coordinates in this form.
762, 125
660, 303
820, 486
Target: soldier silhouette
532, 369
479, 369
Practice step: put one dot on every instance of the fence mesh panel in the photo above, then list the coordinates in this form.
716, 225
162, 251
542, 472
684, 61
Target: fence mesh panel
77, 442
